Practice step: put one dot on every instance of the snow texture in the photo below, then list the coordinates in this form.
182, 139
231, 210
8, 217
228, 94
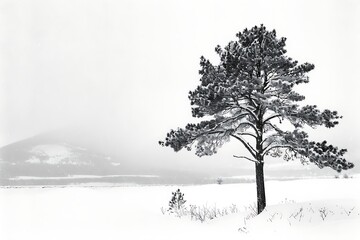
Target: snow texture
54, 154
299, 209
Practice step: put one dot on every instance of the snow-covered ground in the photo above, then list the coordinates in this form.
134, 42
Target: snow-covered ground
80, 177
298, 209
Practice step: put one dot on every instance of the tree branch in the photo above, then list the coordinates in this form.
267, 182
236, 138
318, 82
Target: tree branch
278, 146
245, 109
246, 144
247, 134
252, 160
274, 127
251, 125
249, 111
271, 117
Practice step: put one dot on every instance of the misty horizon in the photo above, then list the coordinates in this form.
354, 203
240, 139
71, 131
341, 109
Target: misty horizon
116, 75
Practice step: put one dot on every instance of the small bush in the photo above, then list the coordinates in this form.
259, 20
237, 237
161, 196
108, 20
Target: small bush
219, 181
177, 207
208, 213
324, 212
251, 212
177, 202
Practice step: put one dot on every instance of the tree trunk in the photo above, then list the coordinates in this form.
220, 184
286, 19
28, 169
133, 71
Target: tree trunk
260, 187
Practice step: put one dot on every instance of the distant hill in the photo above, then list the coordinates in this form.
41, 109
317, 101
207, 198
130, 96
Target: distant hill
45, 156
58, 159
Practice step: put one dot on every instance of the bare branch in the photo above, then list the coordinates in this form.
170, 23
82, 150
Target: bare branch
272, 117
274, 127
252, 160
251, 125
249, 111
247, 134
252, 151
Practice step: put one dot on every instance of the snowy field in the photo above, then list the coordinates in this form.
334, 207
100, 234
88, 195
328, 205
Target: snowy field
298, 209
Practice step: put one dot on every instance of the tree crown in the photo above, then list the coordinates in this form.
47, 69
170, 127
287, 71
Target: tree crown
247, 96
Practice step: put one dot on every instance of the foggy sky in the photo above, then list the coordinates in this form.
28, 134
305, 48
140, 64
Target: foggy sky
123, 69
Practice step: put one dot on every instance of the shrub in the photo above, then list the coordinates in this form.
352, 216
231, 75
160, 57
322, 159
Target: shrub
200, 213
177, 202
219, 181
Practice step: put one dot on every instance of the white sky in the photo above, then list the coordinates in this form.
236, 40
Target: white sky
125, 67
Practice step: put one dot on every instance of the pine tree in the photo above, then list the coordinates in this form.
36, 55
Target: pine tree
248, 96
177, 201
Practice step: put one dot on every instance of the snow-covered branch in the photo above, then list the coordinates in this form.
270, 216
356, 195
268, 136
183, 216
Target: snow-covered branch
252, 160
252, 151
249, 124
277, 146
246, 134
271, 117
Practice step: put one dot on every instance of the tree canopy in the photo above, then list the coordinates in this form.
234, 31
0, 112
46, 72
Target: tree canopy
248, 96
